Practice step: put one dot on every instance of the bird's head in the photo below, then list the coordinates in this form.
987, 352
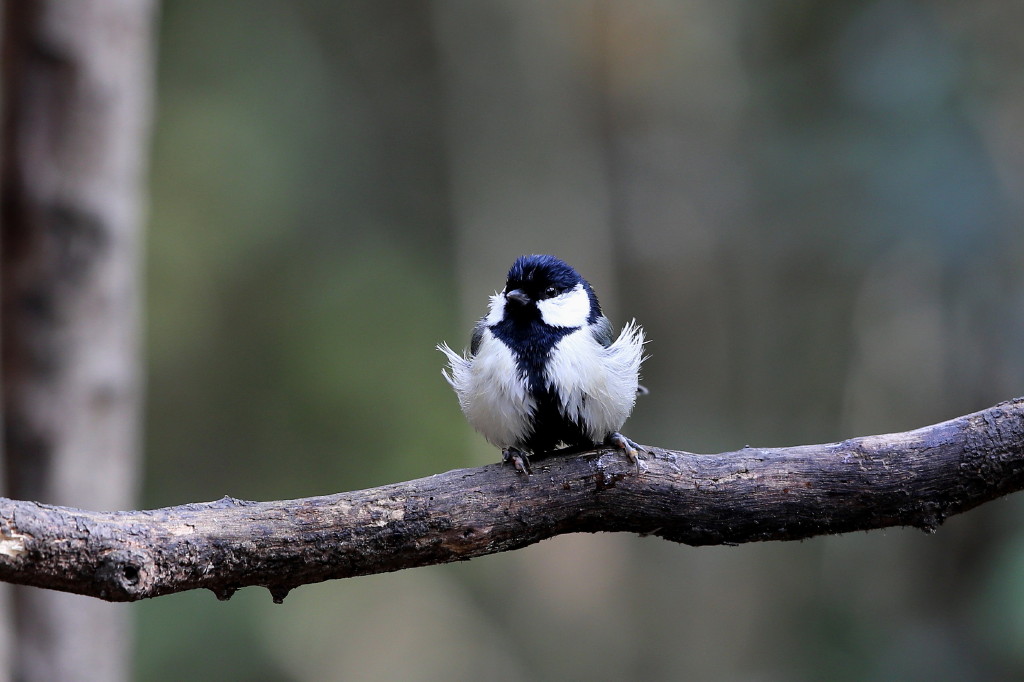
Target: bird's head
548, 289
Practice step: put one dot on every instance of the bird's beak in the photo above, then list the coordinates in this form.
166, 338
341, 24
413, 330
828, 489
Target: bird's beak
517, 295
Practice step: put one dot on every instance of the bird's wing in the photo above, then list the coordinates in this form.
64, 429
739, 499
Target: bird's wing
602, 331
478, 333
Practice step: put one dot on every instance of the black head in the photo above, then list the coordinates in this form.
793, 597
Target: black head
534, 279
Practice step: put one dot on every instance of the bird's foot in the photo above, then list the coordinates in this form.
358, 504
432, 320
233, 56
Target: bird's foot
628, 447
518, 459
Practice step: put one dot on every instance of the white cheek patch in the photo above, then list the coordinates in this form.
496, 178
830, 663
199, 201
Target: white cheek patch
570, 309
497, 309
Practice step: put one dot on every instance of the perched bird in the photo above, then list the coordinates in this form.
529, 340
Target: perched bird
544, 368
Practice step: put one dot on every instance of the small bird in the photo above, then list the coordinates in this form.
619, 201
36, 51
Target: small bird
544, 369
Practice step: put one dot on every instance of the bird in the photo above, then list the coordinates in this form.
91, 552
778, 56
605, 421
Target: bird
544, 368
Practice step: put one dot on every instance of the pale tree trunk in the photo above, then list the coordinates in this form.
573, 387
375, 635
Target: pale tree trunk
77, 85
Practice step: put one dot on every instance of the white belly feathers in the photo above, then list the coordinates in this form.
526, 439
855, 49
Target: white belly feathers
596, 386
492, 392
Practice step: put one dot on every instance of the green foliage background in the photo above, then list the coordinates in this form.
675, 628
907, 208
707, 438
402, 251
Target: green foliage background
813, 208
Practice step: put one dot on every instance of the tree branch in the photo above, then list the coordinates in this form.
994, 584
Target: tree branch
917, 478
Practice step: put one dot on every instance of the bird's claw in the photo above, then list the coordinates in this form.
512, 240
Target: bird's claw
628, 447
518, 459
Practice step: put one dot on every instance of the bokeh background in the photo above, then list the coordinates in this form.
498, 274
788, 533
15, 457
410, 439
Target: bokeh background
815, 209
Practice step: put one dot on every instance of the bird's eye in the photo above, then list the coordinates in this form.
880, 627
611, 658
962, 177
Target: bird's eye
550, 292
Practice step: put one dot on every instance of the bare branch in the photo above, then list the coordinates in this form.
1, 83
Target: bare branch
917, 478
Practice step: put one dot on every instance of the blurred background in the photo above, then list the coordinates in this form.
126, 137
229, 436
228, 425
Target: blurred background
813, 208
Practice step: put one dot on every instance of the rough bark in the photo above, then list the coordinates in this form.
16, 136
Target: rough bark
76, 95
916, 478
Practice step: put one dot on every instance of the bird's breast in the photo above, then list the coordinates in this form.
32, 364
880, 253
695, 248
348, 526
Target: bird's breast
495, 396
596, 386
531, 344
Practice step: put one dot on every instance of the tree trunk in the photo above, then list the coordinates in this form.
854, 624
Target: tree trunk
76, 95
